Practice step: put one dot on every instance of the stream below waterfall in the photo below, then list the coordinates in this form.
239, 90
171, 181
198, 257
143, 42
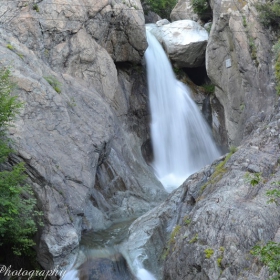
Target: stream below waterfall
104, 248
182, 144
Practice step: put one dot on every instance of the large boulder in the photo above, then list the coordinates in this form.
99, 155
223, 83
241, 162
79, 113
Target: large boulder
184, 41
183, 10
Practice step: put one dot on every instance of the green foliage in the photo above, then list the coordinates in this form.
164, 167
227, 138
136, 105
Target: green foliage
269, 13
36, 8
161, 7
253, 178
172, 238
276, 50
269, 255
208, 253
202, 8
174, 233
187, 220
194, 239
17, 207
20, 55
253, 50
244, 21
208, 28
220, 258
209, 88
53, 81
232, 149
274, 194
9, 106
10, 47
219, 170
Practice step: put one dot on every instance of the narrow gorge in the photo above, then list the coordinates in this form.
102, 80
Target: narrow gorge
151, 145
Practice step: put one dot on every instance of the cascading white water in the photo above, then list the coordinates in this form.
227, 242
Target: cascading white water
182, 142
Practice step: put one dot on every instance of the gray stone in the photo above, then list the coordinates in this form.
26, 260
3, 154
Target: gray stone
184, 42
183, 10
245, 88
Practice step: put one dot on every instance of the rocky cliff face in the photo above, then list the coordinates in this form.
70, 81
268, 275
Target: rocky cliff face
183, 10
246, 87
207, 227
238, 62
85, 115
83, 130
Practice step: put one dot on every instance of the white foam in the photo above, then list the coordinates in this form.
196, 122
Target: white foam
181, 138
143, 274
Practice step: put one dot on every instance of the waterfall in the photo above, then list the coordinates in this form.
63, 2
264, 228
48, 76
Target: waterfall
182, 142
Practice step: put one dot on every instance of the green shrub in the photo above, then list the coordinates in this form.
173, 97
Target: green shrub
209, 88
274, 194
269, 13
244, 21
253, 50
36, 8
10, 47
276, 51
202, 8
161, 7
208, 253
269, 255
171, 241
253, 179
17, 207
208, 28
174, 233
187, 221
194, 239
232, 149
53, 81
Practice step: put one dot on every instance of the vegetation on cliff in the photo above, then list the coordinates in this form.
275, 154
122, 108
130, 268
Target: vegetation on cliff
17, 206
161, 7
269, 15
202, 8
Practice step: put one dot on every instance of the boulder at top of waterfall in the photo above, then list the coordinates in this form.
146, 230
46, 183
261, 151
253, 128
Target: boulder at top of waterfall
183, 10
114, 268
184, 41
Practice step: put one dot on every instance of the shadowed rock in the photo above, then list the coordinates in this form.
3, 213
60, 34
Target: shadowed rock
115, 268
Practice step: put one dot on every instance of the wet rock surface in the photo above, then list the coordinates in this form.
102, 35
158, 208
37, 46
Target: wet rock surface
114, 268
207, 227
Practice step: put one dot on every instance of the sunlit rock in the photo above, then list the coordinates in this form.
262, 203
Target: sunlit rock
184, 41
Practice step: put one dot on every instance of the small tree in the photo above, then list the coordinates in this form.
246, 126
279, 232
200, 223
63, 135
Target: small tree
161, 7
17, 207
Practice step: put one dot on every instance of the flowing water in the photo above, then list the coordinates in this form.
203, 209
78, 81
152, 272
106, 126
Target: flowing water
106, 244
182, 144
181, 139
